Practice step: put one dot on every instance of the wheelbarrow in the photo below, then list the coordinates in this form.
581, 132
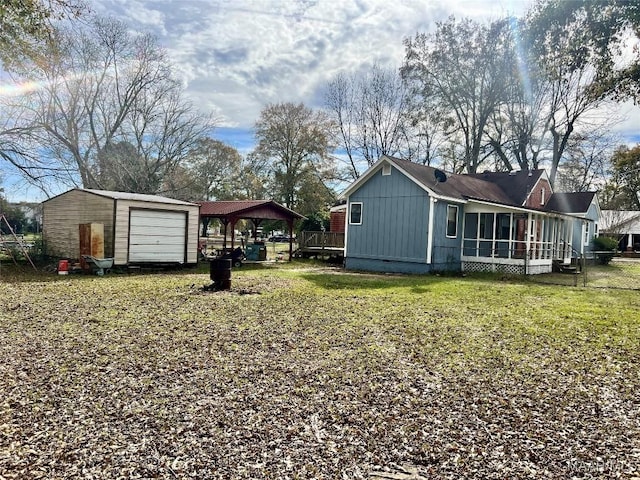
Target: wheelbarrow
98, 265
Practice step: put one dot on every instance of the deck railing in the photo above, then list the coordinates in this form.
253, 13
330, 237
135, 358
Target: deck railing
321, 240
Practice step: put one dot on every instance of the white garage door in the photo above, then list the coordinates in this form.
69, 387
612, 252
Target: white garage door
157, 236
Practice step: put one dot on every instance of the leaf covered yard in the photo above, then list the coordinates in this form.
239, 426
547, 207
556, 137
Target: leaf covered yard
302, 373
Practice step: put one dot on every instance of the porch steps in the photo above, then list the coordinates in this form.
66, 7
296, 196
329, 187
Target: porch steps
561, 267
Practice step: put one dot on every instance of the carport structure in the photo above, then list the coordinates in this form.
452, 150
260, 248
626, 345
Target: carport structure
230, 211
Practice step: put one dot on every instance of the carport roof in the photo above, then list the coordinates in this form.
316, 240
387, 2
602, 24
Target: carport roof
261, 209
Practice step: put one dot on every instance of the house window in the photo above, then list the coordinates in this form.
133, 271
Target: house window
452, 221
542, 192
386, 169
586, 233
355, 213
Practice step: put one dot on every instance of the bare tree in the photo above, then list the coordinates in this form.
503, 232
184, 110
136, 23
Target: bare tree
462, 68
295, 143
103, 87
517, 131
560, 42
586, 161
369, 110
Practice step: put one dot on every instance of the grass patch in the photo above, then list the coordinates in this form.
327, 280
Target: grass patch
301, 372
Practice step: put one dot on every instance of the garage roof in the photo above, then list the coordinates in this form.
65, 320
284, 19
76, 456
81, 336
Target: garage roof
140, 197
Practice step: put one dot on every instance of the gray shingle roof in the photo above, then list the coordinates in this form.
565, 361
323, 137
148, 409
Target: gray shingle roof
516, 185
456, 186
570, 202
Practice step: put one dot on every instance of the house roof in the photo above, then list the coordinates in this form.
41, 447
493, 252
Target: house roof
570, 202
503, 188
140, 197
516, 185
264, 209
463, 187
622, 221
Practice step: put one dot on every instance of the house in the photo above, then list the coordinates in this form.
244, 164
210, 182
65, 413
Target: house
623, 225
136, 228
410, 218
337, 218
585, 208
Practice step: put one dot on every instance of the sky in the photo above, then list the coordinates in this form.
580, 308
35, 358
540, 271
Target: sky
236, 56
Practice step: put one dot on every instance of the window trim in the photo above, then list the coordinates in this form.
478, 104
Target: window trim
386, 169
351, 222
586, 239
456, 222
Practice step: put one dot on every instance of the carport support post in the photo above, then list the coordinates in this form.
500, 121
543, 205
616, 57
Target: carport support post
225, 222
256, 223
233, 222
290, 224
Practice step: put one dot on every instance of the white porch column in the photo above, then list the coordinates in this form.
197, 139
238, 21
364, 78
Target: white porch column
568, 237
529, 231
432, 202
629, 241
512, 244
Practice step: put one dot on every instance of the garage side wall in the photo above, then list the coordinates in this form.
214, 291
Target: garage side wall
121, 238
62, 216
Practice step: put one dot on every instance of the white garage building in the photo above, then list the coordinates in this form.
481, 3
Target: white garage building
138, 229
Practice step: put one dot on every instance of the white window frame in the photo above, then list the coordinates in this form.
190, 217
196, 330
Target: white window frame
447, 225
586, 233
351, 213
386, 169
542, 195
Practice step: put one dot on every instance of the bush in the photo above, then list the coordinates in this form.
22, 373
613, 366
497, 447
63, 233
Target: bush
605, 248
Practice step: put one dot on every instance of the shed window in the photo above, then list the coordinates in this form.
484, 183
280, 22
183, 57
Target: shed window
386, 169
355, 213
452, 221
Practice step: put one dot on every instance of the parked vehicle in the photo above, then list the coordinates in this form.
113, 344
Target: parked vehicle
280, 238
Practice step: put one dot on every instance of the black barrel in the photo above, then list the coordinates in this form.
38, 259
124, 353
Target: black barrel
220, 273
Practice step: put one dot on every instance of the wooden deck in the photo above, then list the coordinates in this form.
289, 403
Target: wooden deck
314, 244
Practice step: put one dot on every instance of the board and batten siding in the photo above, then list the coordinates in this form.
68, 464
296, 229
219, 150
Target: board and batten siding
395, 220
62, 216
123, 222
446, 251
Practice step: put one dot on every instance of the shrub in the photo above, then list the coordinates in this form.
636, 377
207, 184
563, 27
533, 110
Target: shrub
606, 248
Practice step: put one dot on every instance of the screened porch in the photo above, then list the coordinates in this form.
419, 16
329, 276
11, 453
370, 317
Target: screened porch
518, 241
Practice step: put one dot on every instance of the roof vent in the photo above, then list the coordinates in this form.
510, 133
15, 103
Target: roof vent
441, 177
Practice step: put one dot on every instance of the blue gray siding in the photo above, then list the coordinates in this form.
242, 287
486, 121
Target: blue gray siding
577, 237
393, 236
446, 251
395, 218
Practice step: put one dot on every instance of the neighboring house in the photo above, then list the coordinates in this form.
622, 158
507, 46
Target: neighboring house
623, 225
337, 218
584, 206
407, 217
138, 229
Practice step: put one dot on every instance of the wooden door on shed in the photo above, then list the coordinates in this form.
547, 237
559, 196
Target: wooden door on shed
157, 236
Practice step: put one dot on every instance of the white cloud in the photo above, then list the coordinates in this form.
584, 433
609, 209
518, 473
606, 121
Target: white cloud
236, 56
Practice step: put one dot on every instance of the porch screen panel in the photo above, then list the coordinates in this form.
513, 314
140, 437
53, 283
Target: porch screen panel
486, 235
470, 234
503, 230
